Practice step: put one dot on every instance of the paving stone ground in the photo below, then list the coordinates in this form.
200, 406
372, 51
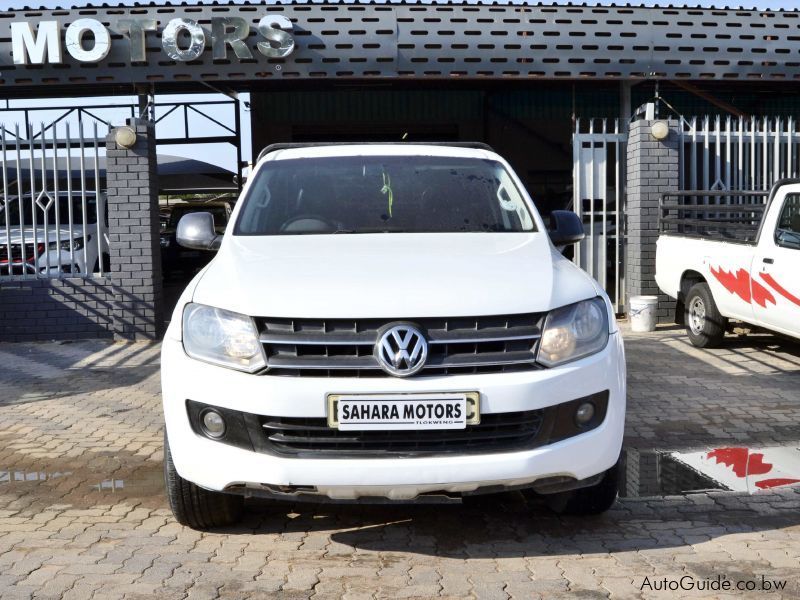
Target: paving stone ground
83, 515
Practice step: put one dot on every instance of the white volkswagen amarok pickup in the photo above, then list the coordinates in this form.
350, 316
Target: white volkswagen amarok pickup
389, 321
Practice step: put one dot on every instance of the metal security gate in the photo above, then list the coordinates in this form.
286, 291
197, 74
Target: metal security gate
53, 221
737, 153
598, 149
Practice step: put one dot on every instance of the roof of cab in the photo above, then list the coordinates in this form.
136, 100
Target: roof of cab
306, 150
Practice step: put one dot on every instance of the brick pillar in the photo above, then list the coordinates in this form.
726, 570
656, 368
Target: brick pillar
132, 184
653, 168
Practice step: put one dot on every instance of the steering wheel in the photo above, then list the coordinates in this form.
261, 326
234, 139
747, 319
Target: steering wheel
309, 223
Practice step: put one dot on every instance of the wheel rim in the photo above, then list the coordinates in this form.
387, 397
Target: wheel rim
697, 315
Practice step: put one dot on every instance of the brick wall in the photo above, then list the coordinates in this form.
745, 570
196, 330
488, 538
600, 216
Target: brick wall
127, 304
652, 169
132, 183
46, 309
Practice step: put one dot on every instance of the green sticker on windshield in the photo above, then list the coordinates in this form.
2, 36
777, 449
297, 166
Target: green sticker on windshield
387, 190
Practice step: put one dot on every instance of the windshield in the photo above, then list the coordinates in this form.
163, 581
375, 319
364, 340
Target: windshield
63, 211
391, 194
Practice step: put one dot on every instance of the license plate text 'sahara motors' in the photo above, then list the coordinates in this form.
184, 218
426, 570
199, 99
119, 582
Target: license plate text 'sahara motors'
386, 412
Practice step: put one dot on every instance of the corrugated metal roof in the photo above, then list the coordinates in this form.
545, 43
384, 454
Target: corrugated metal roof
73, 5
382, 42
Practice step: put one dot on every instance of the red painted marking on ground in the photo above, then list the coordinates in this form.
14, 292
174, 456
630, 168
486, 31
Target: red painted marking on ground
741, 461
780, 289
740, 284
771, 483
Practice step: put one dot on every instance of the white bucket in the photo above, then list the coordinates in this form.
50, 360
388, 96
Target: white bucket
643, 313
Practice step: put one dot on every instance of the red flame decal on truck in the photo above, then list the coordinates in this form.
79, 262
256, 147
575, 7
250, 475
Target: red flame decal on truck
741, 461
741, 284
780, 289
744, 463
765, 484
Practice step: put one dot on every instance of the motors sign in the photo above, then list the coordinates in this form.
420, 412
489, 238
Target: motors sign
88, 40
178, 47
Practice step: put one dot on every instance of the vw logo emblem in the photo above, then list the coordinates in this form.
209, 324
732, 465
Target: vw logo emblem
401, 350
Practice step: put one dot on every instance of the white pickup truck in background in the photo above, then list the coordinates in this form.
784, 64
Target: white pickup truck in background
732, 255
58, 242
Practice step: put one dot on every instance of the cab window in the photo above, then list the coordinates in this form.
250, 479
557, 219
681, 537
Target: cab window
787, 232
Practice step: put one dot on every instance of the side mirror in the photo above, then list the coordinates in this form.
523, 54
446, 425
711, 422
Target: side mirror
565, 228
196, 231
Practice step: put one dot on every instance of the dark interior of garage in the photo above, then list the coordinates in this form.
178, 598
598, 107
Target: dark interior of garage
532, 128
530, 125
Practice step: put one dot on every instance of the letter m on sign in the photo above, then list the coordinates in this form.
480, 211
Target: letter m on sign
25, 44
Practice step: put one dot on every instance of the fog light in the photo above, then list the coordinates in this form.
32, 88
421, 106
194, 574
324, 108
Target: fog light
213, 423
584, 414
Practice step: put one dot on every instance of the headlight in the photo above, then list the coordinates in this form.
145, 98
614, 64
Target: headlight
573, 332
67, 245
222, 337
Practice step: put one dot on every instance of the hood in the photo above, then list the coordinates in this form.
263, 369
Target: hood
391, 275
37, 234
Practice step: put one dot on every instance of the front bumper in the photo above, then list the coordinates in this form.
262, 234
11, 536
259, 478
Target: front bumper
218, 466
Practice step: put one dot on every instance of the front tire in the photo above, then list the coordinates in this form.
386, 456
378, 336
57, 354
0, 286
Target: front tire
705, 326
194, 506
592, 500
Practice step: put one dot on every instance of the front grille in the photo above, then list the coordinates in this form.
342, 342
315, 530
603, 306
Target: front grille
498, 432
312, 438
344, 347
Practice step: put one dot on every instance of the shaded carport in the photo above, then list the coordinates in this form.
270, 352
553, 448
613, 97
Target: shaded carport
176, 174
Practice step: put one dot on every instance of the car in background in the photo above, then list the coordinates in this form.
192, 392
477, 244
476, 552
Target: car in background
175, 258
31, 244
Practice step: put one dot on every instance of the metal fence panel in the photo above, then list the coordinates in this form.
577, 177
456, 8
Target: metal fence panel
598, 147
728, 153
53, 218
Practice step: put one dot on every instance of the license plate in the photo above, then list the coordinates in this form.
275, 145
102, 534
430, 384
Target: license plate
385, 412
